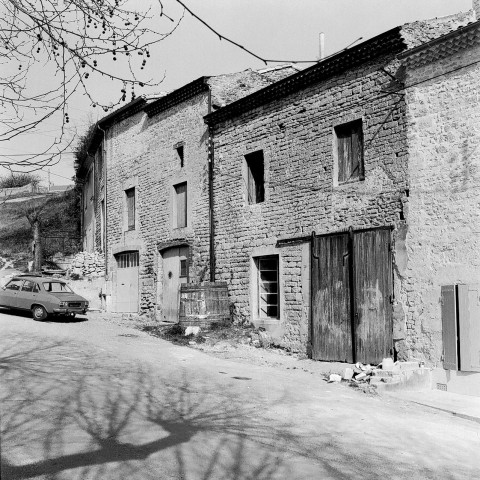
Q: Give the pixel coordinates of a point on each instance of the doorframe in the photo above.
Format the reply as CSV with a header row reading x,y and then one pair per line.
x,y
352,275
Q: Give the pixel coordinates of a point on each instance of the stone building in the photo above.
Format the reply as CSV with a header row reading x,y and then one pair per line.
x,y
313,192
150,182
441,269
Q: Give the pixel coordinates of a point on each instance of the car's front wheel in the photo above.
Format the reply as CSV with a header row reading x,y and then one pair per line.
x,y
39,312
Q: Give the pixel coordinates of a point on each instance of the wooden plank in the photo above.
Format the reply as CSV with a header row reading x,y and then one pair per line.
x,y
331,329
181,194
357,152
373,286
342,156
449,327
469,327
131,208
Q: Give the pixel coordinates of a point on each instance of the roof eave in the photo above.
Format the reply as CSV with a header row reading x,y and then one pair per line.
x,y
178,96
388,42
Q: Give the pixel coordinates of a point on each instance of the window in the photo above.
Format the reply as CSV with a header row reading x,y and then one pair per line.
x,y
350,151
28,286
14,285
57,287
130,197
183,268
180,205
179,149
255,177
268,295
127,260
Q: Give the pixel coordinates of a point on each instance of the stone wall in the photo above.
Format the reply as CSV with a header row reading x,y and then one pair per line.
x,y
442,242
141,154
296,134
87,264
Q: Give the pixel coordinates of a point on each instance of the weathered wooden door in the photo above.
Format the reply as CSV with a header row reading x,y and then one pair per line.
x,y
127,282
331,307
373,289
351,293
175,272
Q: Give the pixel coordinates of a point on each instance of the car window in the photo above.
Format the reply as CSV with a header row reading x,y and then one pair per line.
x,y
28,286
57,287
36,288
13,285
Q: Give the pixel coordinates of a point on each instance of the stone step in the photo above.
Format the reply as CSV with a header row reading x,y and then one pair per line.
x,y
419,379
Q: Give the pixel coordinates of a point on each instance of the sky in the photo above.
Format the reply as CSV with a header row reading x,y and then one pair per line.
x,y
286,30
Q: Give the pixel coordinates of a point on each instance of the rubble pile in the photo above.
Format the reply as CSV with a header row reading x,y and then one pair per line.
x,y
86,264
368,377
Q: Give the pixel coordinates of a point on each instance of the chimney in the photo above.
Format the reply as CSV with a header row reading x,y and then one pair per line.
x,y
476,8
321,53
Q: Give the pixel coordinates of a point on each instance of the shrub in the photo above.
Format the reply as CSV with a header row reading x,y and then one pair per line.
x,y
18,180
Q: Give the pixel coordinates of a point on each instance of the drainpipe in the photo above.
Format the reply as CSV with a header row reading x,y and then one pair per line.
x,y
210,203
210,192
105,183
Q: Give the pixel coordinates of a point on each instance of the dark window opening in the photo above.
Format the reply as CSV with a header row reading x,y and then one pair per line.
x,y
179,149
183,268
268,293
350,151
127,260
130,196
255,177
181,205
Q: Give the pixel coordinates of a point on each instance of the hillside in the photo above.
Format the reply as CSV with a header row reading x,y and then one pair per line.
x,y
60,220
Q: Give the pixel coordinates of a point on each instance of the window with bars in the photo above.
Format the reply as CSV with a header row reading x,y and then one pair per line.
x,y
180,212
130,198
255,177
127,260
349,138
268,291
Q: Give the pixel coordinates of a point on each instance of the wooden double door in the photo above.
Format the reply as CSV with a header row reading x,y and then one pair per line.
x,y
351,296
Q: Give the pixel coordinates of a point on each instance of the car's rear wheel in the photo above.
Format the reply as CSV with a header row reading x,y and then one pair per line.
x,y
39,312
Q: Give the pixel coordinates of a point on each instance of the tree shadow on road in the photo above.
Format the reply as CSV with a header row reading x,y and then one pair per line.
x,y
74,414
70,411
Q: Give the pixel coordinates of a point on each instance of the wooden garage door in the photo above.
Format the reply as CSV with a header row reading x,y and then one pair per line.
x,y
332,329
127,282
351,296
373,287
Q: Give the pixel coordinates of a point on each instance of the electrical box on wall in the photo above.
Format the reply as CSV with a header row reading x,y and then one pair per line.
x,y
461,327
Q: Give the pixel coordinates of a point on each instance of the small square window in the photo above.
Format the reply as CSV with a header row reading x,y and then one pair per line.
x,y
255,177
267,283
350,165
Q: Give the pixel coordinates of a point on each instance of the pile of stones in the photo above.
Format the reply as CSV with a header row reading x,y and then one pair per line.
x,y
86,264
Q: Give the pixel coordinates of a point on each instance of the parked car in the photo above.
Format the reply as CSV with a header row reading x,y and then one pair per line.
x,y
42,295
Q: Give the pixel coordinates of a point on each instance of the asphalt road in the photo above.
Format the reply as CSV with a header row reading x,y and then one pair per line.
x,y
93,400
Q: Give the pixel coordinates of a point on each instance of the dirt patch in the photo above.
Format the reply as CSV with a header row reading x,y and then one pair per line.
x,y
243,344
